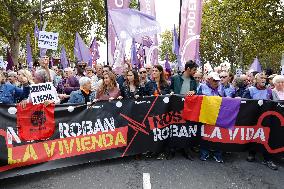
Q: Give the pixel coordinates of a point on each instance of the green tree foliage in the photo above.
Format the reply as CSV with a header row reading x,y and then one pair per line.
x,y
17,18
134,4
240,30
166,46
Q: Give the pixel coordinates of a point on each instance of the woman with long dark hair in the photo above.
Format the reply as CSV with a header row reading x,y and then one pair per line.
x,y
131,87
158,85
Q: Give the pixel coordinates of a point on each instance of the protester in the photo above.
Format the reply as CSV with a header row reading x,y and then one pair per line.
x,y
41,76
278,91
58,76
270,81
109,89
198,78
131,87
44,65
84,94
69,83
99,71
143,77
157,86
210,89
94,79
9,93
246,80
123,77
80,69
225,88
260,92
149,69
13,78
240,87
185,84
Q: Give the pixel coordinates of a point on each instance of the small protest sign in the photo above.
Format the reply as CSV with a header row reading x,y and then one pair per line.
x,y
48,40
43,92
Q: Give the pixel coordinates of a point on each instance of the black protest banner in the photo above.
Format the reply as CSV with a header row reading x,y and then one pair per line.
x,y
114,129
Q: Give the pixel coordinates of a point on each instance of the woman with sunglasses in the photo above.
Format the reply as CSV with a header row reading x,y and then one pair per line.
x,y
131,87
159,85
108,90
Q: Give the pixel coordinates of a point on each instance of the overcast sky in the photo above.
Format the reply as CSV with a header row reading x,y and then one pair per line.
x,y
167,15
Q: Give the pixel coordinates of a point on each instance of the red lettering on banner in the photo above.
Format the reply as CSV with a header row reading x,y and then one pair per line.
x,y
164,120
63,148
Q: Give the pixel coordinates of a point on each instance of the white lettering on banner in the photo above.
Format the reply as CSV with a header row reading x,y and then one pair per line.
x,y
191,22
238,134
86,127
148,7
144,31
11,134
216,133
43,92
174,131
48,40
119,3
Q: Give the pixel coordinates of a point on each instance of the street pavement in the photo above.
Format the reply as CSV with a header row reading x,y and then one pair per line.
x,y
176,173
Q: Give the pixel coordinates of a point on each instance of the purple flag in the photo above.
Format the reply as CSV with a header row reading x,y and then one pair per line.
x,y
147,41
130,23
255,66
148,7
81,51
63,58
29,53
36,31
10,64
175,42
134,60
42,52
190,28
51,61
94,48
114,4
167,64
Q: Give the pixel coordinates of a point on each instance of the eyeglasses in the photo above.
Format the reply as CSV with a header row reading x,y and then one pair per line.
x,y
223,77
142,72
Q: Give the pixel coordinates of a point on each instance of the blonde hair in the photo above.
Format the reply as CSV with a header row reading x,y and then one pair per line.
x,y
26,73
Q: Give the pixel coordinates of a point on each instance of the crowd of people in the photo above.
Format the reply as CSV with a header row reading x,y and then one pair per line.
x,y
84,84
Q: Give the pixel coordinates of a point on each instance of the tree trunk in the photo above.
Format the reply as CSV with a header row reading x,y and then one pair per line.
x,y
15,48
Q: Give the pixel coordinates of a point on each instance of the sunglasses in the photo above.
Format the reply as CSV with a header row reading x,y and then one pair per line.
x,y
143,72
197,77
81,66
223,77
148,68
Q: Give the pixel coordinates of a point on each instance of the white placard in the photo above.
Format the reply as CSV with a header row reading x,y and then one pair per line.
x,y
43,92
48,40
239,72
